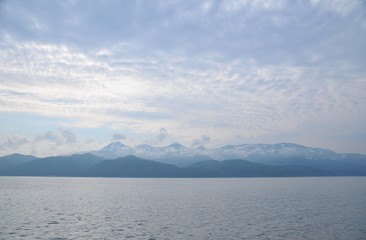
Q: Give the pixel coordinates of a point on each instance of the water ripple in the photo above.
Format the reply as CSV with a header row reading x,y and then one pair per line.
x,y
151,209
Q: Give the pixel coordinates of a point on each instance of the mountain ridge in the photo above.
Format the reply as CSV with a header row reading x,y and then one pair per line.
x,y
261,153
282,159
87,165
15,158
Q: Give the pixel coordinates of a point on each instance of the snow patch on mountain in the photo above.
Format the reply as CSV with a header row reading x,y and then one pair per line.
x,y
252,152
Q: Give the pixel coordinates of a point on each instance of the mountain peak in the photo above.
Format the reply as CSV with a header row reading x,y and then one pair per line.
x,y
176,146
201,148
114,146
251,152
285,144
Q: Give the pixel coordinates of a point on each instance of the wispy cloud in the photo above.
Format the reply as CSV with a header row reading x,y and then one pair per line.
x,y
13,142
61,141
163,133
254,69
202,141
118,136
241,94
342,7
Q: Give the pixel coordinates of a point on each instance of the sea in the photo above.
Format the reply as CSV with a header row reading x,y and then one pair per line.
x,y
151,208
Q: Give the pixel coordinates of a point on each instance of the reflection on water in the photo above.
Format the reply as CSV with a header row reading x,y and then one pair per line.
x,y
258,208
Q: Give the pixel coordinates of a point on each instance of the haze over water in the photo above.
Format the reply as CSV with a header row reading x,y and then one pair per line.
x,y
257,208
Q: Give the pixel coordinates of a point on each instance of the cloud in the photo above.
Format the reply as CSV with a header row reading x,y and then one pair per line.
x,y
118,136
163,133
236,5
68,136
202,141
49,143
154,138
61,137
265,30
136,94
48,136
248,68
13,143
342,7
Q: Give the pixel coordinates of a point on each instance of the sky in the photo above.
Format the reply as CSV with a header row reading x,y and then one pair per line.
x,y
77,75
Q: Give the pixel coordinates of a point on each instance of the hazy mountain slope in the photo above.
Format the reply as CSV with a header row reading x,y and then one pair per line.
x,y
183,161
14,159
131,166
88,165
242,168
54,166
341,167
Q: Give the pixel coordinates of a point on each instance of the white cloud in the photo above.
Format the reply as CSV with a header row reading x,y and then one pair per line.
x,y
235,5
342,7
62,136
12,143
167,90
118,136
202,141
163,133
248,68
206,6
49,143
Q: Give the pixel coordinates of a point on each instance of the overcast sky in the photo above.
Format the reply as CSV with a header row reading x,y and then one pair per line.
x,y
77,75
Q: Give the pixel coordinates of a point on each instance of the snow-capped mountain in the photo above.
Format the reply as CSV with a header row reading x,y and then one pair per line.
x,y
264,151
114,150
174,150
117,149
252,152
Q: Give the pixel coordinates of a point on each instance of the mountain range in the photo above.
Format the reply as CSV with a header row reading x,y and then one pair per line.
x,y
275,154
176,160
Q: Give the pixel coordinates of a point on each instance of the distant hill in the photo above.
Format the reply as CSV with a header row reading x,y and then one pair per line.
x,y
242,168
88,165
53,166
14,159
131,166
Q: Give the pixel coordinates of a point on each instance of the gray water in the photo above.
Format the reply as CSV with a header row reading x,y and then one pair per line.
x,y
257,208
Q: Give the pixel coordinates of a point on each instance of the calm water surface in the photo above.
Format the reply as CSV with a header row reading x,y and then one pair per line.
x,y
257,208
